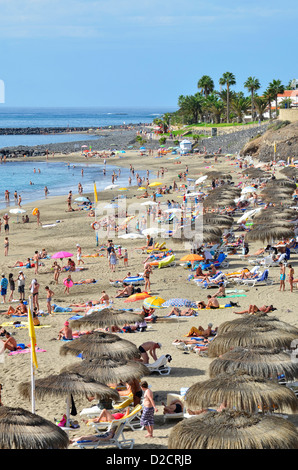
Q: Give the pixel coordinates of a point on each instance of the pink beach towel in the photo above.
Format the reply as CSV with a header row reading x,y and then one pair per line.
x,y
24,351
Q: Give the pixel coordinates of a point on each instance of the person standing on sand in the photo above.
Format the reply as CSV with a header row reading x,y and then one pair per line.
x,y
19,200
291,277
147,418
36,260
282,277
6,223
34,289
6,246
50,294
79,255
3,285
57,271
38,217
21,285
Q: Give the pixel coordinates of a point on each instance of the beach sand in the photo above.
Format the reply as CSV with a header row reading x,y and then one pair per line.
x,y
74,227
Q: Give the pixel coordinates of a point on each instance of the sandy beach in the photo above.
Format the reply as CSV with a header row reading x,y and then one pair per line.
x,y
74,228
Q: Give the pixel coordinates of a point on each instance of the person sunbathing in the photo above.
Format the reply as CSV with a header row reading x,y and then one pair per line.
x,y
201,331
122,280
21,309
104,299
126,292
107,417
94,437
199,273
221,292
181,313
190,340
144,195
9,343
252,309
85,281
176,406
212,302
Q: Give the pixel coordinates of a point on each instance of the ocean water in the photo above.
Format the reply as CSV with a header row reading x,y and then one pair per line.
x,y
95,118
31,139
59,177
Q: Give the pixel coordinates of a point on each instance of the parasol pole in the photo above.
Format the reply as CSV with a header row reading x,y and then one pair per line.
x,y
95,203
30,310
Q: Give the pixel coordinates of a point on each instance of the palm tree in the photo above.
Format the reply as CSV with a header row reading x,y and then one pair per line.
x,y
261,104
206,84
276,87
240,105
268,96
228,79
214,106
191,105
252,84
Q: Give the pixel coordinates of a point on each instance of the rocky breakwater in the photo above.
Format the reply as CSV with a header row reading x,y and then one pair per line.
x,y
108,139
281,133
40,130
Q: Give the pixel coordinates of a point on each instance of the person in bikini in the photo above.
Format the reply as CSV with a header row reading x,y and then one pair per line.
x,y
9,343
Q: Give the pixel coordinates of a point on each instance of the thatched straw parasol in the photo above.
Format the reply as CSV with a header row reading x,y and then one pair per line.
x,y
104,318
20,429
218,174
101,343
266,335
108,371
281,182
256,361
240,391
258,319
217,219
232,429
275,214
269,232
67,384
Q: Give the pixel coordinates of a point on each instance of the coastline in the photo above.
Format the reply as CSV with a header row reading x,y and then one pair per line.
x,y
74,227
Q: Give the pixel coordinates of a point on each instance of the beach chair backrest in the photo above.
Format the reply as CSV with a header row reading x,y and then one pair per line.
x,y
161,361
119,429
221,257
134,411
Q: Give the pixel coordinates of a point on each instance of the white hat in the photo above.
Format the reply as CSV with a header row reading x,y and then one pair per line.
x,y
77,244
159,344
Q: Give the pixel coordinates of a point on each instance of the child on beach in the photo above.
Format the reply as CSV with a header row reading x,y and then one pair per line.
x,y
147,418
50,294
125,258
68,282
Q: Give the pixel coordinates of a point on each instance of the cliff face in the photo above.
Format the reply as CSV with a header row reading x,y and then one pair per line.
x,y
285,138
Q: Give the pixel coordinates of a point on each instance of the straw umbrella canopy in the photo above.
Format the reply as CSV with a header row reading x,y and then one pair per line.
x,y
233,429
218,219
20,429
240,391
275,214
104,318
256,320
66,384
100,343
256,361
268,232
218,174
266,335
107,370
282,182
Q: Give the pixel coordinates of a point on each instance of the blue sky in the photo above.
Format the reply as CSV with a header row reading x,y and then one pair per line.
x,y
139,53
